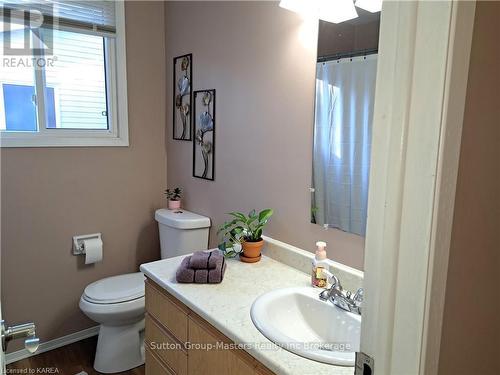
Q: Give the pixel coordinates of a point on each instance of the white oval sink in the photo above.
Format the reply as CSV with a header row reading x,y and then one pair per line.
x,y
298,321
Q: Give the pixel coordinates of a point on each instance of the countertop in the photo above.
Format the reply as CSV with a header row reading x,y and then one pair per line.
x,y
227,307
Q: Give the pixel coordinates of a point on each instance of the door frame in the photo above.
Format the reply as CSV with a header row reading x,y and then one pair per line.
x,y
422,73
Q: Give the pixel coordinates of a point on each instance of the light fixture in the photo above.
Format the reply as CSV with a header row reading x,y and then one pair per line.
x,y
370,5
337,11
306,8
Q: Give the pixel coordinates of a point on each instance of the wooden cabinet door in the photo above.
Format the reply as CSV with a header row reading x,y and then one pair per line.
x,y
155,367
168,350
214,361
167,310
261,370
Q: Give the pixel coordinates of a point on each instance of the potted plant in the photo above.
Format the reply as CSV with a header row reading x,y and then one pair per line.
x,y
174,198
247,230
230,244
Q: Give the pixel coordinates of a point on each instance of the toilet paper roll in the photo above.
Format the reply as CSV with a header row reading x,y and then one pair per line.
x,y
93,250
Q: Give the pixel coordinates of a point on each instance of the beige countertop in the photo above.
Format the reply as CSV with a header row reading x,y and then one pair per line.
x,y
227,307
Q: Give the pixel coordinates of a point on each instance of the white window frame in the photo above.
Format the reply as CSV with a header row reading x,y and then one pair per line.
x,y
116,83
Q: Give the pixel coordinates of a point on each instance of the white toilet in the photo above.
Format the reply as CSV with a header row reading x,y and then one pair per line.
x,y
117,302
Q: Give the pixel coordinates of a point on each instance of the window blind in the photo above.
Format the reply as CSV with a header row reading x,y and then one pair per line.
x,y
94,17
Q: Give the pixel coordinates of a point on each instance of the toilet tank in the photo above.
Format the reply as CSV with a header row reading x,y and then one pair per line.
x,y
181,232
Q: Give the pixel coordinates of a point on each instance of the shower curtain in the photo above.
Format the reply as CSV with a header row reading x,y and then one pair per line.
x,y
345,91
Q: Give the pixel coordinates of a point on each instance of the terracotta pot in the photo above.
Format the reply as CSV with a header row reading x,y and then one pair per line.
x,y
174,205
252,249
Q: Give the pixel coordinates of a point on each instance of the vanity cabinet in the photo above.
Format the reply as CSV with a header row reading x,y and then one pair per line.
x,y
180,342
219,361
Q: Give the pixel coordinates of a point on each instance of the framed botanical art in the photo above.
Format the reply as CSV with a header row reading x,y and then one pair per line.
x,y
183,95
204,134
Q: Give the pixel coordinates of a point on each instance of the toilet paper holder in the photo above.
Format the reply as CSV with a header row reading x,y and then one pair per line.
x,y
78,248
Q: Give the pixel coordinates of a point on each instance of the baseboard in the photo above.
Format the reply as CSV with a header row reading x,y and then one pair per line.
x,y
52,344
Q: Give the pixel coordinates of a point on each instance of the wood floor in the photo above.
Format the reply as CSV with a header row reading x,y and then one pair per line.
x,y
68,360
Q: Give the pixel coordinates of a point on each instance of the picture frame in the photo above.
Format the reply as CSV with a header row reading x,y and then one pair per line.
x,y
204,134
182,97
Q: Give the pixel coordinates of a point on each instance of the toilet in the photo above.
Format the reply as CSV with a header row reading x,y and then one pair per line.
x,y
117,302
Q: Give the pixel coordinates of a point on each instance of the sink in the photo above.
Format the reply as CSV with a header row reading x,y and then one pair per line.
x,y
298,321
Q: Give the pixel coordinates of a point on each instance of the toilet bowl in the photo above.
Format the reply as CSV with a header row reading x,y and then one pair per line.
x,y
117,304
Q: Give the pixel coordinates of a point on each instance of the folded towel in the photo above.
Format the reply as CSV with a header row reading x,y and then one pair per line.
x,y
201,276
216,275
186,274
205,260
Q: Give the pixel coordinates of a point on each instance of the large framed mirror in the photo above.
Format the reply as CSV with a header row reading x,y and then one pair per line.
x,y
344,100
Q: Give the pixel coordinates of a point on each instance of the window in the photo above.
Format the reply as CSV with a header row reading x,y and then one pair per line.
x,y
61,83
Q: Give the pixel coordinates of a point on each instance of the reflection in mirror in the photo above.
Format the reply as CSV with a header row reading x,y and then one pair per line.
x,y
345,90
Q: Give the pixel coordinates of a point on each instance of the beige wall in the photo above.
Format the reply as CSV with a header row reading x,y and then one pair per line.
x,y
261,60
50,194
471,328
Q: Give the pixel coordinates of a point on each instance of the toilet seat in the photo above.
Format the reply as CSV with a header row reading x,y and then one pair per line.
x,y
115,300
115,289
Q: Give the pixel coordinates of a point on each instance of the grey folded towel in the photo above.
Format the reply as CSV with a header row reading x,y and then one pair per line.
x,y
186,274
205,260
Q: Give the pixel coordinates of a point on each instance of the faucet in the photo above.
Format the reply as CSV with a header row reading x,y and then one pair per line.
x,y
340,298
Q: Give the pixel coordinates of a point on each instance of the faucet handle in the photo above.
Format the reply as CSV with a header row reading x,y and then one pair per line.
x,y
335,282
335,286
359,295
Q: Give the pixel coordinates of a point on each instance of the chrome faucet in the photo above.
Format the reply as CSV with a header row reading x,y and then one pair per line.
x,y
341,298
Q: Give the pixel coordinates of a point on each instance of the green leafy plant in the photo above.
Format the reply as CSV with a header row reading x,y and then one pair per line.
x,y
173,194
245,227
230,249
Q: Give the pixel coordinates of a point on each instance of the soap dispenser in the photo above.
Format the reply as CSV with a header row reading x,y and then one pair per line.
x,y
319,263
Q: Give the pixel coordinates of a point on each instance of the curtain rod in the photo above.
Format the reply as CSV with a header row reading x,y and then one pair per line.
x,y
343,55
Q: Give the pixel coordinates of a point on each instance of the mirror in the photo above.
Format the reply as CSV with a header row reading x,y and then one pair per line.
x,y
345,89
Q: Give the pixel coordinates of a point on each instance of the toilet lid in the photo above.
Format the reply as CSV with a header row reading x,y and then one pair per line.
x,y
116,289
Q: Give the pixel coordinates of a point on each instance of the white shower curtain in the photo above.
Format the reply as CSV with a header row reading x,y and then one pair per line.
x,y
345,91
